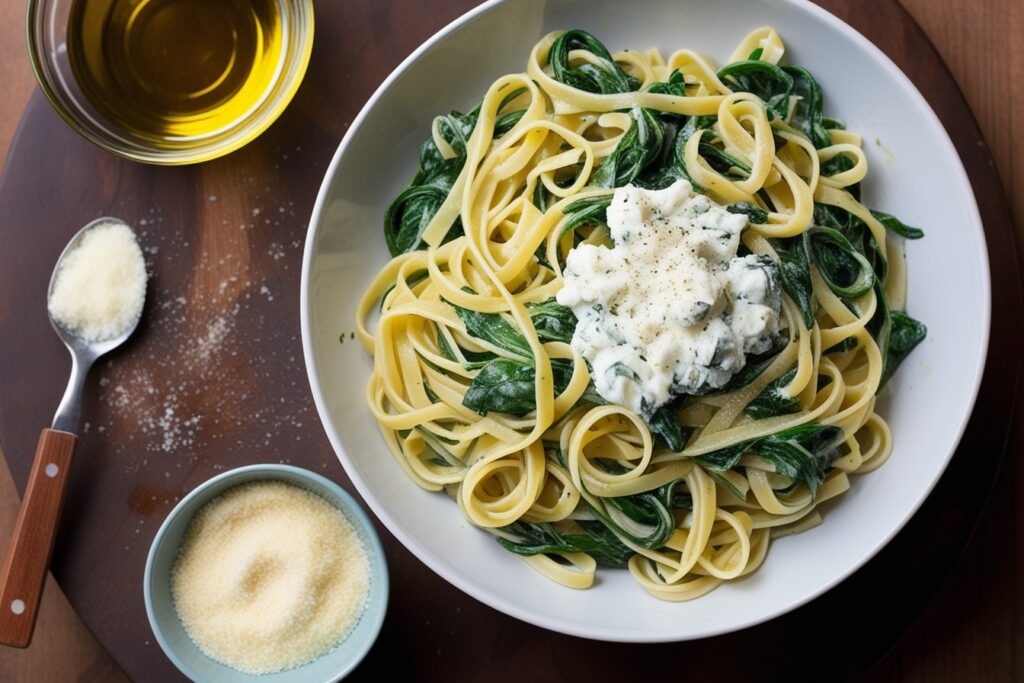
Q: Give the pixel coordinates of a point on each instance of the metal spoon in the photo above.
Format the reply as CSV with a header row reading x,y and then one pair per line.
x,y
28,556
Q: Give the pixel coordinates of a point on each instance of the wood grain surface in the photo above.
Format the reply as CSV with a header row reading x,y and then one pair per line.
x,y
971,629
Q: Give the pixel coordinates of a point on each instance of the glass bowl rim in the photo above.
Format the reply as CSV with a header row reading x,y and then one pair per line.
x,y
201,152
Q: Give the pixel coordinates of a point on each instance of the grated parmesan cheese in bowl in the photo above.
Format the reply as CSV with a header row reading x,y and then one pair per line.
x,y
270,576
266,569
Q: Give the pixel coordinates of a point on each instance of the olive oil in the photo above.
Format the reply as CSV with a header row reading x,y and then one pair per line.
x,y
175,70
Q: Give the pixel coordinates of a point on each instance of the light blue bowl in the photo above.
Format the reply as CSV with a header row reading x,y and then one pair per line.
x,y
168,629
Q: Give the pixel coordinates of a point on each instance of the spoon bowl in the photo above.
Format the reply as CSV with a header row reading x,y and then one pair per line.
x,y
83,352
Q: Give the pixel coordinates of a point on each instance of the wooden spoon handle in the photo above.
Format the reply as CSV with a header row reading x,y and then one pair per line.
x,y
28,556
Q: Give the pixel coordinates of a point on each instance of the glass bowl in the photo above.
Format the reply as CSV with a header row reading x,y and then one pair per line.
x,y
48,50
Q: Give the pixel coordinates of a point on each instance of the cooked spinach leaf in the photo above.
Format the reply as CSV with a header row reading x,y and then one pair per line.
x,y
411,212
905,334
494,329
474,360
691,126
542,198
723,162
553,321
770,402
898,226
643,518
807,112
503,385
623,370
895,332
455,129
667,166
606,77
507,122
856,232
410,280
664,423
795,274
755,365
638,147
754,214
846,271
797,462
838,164
848,344
524,538
768,81
590,211
880,324
590,395
675,85
507,386
803,453
671,165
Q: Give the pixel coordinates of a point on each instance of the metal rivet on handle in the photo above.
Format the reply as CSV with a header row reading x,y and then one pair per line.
x,y
17,606
51,470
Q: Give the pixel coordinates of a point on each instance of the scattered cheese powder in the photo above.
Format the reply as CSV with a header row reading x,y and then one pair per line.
x,y
101,284
270,576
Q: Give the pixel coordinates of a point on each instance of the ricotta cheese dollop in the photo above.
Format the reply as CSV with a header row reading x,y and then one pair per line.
x,y
671,308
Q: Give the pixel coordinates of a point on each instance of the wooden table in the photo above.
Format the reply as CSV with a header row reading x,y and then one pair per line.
x,y
972,629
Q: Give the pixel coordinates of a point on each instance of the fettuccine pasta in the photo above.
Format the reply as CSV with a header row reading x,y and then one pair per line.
x,y
478,389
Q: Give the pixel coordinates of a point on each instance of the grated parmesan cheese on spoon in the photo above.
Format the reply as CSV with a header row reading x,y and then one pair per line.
x,y
100,285
270,576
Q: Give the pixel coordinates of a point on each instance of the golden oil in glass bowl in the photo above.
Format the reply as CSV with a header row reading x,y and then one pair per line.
x,y
172,71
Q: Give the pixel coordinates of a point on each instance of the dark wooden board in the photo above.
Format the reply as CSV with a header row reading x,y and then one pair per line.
x,y
214,379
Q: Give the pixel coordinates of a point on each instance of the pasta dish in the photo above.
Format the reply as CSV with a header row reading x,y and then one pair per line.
x,y
637,314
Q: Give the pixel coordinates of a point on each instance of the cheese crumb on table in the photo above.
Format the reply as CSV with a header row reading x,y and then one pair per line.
x,y
270,577
101,284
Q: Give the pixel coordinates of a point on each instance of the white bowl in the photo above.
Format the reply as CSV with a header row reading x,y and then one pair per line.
x,y
915,174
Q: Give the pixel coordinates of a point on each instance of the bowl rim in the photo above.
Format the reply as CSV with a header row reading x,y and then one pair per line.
x,y
270,472
200,153
509,606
